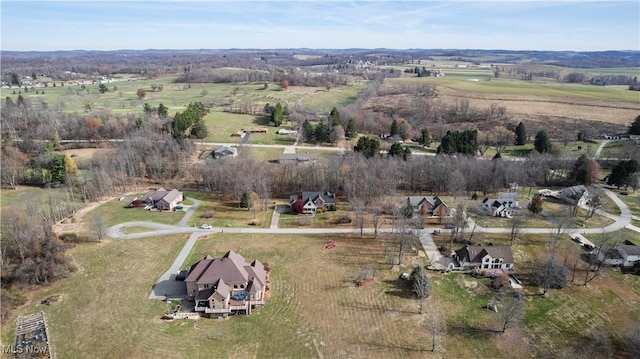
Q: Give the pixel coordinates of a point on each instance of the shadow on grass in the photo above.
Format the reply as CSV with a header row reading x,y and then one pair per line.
x,y
401,288
262,121
391,346
374,308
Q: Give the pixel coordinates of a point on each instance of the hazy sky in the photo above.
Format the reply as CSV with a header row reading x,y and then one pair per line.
x,y
511,25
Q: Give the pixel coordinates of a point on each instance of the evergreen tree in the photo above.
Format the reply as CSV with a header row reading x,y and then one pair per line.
x,y
425,138
395,150
163,111
542,143
244,200
58,170
103,88
634,129
334,118
322,132
622,173
307,131
277,115
521,134
368,146
465,142
199,130
351,131
395,129
580,171
406,154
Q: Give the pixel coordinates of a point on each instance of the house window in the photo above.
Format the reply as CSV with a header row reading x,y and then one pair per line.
x,y
206,286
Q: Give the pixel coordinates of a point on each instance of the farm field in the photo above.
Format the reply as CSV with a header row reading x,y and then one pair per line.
x,y
614,105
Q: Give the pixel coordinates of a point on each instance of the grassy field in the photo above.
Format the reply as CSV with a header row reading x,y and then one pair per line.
x,y
315,310
227,213
176,96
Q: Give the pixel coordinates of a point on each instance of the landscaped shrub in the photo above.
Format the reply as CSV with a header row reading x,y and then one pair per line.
x,y
344,220
255,222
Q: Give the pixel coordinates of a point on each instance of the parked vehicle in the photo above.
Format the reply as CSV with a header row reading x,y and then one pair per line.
x,y
206,226
578,239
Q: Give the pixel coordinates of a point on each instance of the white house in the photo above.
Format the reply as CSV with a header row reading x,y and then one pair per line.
x,y
481,257
501,206
623,255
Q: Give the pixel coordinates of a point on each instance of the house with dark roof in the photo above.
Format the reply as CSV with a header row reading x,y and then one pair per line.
x,y
225,285
314,201
160,199
503,205
624,255
429,206
225,151
484,257
576,195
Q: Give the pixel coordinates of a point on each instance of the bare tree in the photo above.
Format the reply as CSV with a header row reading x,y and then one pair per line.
x,y
401,224
359,207
598,257
516,224
377,216
435,326
99,226
421,285
597,345
595,203
512,310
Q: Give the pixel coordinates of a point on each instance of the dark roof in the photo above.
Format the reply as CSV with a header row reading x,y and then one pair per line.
x,y
474,254
630,250
230,268
327,197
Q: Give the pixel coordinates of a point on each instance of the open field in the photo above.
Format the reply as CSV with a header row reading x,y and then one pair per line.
x,y
227,213
176,96
614,105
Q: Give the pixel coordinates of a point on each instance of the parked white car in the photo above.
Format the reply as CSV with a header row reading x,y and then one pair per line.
x,y
206,226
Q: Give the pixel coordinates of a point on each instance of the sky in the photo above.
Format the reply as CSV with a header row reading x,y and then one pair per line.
x,y
573,25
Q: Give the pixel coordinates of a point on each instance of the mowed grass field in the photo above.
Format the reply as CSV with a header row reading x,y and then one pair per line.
x,y
315,310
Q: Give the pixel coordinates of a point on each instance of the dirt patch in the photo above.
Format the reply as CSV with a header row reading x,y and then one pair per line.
x,y
363,283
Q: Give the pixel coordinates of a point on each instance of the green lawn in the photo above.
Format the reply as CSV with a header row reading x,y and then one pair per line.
x,y
116,211
226,213
176,96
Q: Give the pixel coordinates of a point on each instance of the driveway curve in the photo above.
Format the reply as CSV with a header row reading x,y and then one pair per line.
x,y
167,287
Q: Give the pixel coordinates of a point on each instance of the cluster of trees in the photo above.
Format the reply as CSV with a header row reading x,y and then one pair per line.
x,y
465,142
626,173
32,254
277,113
329,130
368,146
190,122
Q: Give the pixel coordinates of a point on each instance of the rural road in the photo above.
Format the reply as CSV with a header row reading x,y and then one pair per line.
x,y
168,287
599,150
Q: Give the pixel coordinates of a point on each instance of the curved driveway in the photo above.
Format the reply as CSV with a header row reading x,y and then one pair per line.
x,y
168,287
